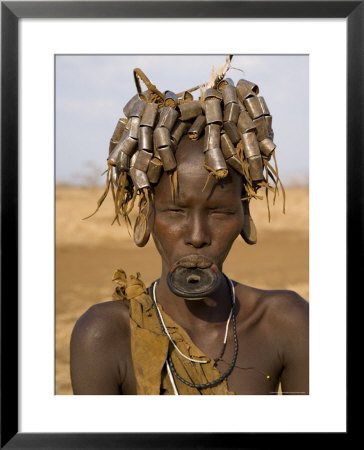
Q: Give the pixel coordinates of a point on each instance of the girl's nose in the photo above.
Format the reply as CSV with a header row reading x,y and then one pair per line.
x,y
197,231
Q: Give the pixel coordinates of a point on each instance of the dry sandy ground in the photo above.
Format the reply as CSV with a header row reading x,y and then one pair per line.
x,y
88,252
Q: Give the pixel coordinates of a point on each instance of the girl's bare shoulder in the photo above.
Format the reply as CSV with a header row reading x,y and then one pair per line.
x,y
278,307
103,322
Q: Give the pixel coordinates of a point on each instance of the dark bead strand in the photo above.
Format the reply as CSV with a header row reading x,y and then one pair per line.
x,y
218,380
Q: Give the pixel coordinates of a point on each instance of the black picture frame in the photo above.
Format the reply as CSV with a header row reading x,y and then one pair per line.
x,y
11,13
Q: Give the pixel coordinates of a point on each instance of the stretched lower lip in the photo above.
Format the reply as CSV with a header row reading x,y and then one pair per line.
x,y
193,276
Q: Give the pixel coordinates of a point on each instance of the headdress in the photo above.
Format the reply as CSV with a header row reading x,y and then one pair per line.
x,y
236,126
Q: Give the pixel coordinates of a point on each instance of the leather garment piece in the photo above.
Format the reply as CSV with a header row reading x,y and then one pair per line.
x,y
150,346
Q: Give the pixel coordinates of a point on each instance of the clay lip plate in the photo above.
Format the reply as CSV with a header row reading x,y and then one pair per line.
x,y
193,282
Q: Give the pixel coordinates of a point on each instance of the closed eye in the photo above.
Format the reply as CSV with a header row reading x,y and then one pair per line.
x,y
221,212
175,210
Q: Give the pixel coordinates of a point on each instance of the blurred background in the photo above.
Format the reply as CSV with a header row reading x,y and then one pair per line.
x,y
91,91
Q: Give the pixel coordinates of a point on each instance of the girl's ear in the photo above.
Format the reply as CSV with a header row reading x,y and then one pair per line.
x,y
248,232
143,223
